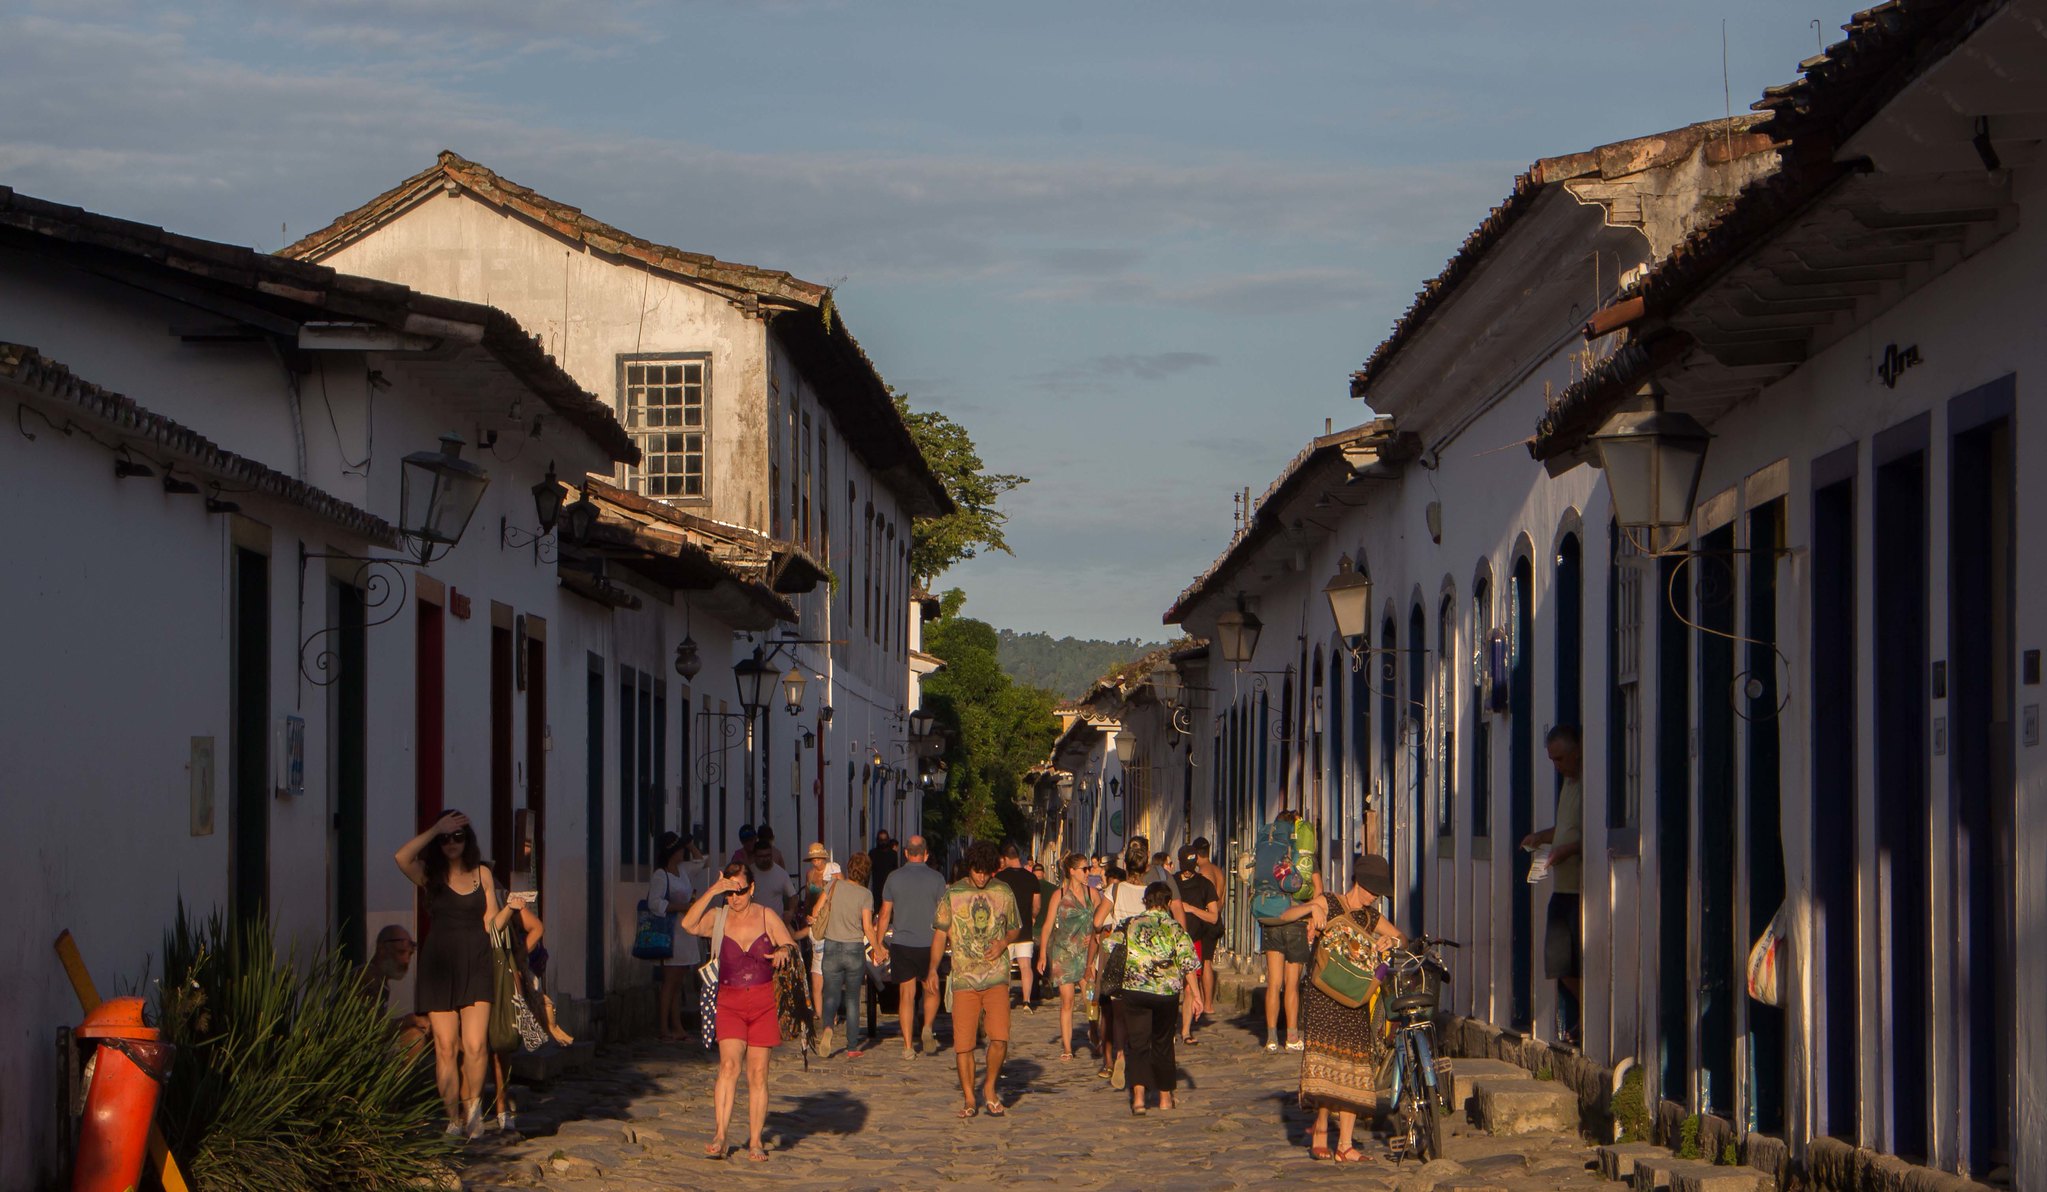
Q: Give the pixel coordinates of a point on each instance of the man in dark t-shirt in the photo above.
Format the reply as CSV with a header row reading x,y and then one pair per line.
x,y
884,860
1029,906
1201,907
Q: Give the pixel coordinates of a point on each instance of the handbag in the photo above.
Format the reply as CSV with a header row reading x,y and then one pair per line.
x,y
880,968
1115,963
1763,983
1345,964
532,1036
654,939
707,975
502,1034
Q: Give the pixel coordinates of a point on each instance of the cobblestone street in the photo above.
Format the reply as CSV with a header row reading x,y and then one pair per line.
x,y
640,1116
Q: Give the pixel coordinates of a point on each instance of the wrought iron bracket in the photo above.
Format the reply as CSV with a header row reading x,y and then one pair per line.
x,y
383,589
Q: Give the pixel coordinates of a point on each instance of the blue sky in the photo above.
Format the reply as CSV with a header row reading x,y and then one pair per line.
x,y
1136,248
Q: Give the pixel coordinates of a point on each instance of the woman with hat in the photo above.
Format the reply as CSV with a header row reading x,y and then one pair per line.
x,y
1340,1065
669,892
818,872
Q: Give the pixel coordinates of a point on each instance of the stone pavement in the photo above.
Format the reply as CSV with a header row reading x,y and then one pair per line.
x,y
639,1118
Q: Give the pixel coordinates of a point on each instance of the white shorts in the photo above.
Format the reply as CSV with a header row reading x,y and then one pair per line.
x,y
1021,950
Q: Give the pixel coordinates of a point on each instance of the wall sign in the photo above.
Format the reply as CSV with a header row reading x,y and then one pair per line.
x,y
1896,360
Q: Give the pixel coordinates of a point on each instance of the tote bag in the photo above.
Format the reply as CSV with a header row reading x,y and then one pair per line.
x,y
707,974
655,937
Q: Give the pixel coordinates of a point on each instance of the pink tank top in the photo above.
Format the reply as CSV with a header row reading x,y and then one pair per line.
x,y
743,968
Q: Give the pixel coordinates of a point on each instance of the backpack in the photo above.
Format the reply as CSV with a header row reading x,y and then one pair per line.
x,y
1272,868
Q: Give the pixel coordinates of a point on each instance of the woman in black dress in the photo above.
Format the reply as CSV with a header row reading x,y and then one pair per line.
x,y
455,980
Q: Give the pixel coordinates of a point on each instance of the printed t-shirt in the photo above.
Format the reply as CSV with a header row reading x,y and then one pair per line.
x,y
915,889
973,917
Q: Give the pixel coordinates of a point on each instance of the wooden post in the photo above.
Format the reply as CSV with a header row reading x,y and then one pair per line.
x,y
160,1159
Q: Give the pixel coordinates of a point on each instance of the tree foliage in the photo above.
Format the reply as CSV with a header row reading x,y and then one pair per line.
x,y
1065,666
937,543
996,729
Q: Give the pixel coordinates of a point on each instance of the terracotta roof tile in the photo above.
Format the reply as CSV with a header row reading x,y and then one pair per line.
x,y
298,291
152,433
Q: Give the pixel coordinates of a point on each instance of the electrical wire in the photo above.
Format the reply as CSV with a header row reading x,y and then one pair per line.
x,y
348,466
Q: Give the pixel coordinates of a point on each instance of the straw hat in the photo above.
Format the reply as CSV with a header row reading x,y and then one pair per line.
x,y
816,852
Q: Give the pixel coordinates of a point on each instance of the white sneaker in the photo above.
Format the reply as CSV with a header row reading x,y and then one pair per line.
x,y
472,1122
508,1123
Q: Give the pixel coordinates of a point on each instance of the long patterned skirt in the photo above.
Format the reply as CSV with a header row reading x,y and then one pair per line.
x,y
1340,1068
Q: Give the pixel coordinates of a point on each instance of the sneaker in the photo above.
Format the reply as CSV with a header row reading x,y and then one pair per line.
x,y
1295,1043
472,1122
508,1123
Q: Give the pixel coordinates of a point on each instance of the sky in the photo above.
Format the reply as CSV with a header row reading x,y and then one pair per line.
x,y
1135,247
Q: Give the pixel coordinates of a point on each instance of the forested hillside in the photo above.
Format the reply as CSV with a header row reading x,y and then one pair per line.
x,y
1064,666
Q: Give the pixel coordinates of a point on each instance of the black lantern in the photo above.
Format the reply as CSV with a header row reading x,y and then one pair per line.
x,y
547,499
1236,631
438,492
752,675
1653,459
921,723
579,518
1350,601
687,660
792,690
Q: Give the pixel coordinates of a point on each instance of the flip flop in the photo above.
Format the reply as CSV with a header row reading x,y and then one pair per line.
x,y
716,1150
995,1109
969,1112
756,1156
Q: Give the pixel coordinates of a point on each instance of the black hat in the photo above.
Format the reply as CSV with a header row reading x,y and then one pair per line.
x,y
665,848
1189,860
1373,872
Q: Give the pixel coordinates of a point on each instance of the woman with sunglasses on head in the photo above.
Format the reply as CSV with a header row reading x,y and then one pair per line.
x,y
751,944
1066,943
455,977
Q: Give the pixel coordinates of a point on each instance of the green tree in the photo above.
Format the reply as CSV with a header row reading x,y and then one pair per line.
x,y
936,543
996,730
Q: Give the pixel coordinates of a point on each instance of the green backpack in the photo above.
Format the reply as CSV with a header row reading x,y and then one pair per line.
x,y
1346,963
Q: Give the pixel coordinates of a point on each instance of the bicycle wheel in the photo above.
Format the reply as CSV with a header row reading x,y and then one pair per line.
x,y
1422,1114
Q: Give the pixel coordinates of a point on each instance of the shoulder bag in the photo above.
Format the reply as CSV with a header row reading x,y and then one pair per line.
x,y
1115,962
655,937
707,976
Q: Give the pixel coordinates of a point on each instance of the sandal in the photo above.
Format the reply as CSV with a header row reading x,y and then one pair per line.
x,y
757,1156
968,1112
1351,1154
716,1149
1065,1055
1319,1152
1190,1041
995,1107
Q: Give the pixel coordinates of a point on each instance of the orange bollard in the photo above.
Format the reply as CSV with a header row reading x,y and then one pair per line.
x,y
128,1069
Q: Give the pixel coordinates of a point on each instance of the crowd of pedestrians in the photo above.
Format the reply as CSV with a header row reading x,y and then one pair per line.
x,y
1126,943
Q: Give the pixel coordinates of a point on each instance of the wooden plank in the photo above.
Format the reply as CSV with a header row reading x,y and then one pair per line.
x,y
160,1158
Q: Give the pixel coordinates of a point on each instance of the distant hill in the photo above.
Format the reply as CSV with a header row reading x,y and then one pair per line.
x,y
1065,666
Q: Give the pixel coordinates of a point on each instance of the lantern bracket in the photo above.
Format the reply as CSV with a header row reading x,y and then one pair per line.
x,y
383,589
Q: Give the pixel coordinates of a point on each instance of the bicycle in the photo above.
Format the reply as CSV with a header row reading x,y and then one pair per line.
x,y
1421,1083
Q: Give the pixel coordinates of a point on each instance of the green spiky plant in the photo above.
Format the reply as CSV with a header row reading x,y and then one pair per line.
x,y
286,1074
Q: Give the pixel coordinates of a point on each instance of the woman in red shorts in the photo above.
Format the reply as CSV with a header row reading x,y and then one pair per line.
x,y
750,944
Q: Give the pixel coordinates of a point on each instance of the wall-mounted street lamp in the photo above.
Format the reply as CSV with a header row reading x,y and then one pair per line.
x,y
547,506
1236,634
688,660
1653,459
921,723
438,492
1126,746
793,684
752,674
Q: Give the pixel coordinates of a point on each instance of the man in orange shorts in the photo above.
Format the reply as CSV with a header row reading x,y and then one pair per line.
x,y
979,919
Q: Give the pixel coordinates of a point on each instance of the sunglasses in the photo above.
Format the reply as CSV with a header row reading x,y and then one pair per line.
x,y
458,837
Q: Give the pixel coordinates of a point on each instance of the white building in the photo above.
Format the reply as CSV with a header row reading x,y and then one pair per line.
x,y
756,410
219,701
1817,699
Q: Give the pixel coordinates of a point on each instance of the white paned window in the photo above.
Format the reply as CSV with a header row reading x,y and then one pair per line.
x,y
666,407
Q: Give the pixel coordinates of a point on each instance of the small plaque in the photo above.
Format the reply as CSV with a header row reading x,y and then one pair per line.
x,y
199,771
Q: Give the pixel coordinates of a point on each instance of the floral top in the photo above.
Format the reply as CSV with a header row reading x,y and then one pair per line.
x,y
973,918
1161,953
